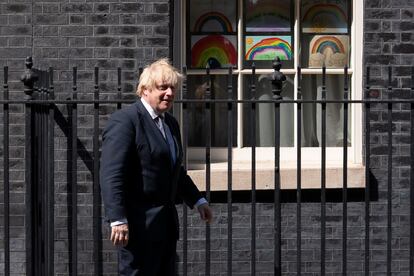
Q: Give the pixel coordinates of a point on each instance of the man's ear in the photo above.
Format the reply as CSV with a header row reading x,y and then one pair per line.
x,y
144,91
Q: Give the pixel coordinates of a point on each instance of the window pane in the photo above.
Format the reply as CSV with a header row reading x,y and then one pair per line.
x,y
212,33
197,119
268,33
325,38
268,16
311,116
265,113
329,50
268,47
325,16
216,50
208,16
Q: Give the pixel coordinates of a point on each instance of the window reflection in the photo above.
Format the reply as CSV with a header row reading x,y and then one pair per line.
x,y
265,113
197,117
311,127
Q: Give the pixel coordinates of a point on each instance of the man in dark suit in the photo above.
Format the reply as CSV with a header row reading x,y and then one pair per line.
x,y
142,175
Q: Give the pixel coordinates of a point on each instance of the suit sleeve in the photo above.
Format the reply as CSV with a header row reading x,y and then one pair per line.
x,y
187,190
117,142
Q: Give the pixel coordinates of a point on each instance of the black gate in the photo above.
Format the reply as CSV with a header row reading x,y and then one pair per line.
x,y
42,114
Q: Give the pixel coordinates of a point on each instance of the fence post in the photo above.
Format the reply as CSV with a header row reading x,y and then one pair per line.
x,y
6,190
28,78
277,82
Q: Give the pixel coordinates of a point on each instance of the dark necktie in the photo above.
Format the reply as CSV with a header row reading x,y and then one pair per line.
x,y
166,132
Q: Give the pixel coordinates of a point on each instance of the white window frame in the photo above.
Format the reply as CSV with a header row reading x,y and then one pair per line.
x,y
310,155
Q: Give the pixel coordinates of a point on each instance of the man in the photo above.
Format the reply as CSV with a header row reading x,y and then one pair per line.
x,y
142,175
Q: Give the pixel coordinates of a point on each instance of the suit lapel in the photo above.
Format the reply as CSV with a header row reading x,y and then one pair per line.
x,y
152,132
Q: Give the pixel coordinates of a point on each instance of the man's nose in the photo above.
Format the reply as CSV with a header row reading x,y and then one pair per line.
x,y
169,91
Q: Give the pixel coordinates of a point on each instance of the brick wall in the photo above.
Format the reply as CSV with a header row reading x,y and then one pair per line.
x,y
130,34
64,34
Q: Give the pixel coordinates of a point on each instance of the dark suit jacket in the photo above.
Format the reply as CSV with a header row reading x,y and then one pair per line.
x,y
138,180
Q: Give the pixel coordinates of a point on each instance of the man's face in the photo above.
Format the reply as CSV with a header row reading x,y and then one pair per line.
x,y
160,97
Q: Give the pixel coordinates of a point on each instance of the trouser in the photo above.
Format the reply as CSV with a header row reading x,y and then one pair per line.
x,y
148,258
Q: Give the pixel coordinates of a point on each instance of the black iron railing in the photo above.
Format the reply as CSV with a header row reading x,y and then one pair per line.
x,y
40,111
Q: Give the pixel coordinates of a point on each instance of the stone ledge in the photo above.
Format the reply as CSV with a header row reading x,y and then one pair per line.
x,y
311,176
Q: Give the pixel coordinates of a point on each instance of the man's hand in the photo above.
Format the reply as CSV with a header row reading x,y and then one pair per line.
x,y
206,213
120,234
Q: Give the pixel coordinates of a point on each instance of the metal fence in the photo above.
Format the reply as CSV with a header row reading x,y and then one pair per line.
x,y
40,106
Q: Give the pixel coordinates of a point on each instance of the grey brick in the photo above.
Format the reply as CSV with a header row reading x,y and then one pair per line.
x,y
77,19
372,26
49,8
75,52
161,8
51,42
382,14
127,7
128,42
126,53
407,14
17,20
103,19
101,7
20,52
101,30
16,30
155,19
102,42
403,26
76,30
76,8
100,53
126,30
155,41
48,19
128,19
161,30
16,8
403,48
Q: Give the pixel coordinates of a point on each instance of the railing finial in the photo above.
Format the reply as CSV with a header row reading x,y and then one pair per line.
x,y
28,78
277,79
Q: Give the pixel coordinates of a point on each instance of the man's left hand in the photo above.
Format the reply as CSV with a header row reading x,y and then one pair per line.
x,y
206,213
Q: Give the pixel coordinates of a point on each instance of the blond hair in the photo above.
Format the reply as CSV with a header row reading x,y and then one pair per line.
x,y
159,71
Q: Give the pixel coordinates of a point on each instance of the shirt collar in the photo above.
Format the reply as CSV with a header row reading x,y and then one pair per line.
x,y
150,110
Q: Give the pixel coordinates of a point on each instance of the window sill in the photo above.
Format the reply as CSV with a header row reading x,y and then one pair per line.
x,y
311,176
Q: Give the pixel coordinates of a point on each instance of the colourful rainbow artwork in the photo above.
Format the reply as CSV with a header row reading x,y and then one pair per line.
x,y
321,44
265,16
325,18
209,21
215,50
268,47
329,50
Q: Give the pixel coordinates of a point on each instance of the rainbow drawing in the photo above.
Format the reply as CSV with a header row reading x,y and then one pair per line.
x,y
213,22
216,50
266,16
268,47
324,18
328,50
323,43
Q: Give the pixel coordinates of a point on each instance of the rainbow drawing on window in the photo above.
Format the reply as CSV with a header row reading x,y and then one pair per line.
x,y
213,22
268,47
324,18
216,50
268,16
329,50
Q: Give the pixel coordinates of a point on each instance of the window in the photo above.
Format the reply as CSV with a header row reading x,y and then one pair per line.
x,y
305,33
